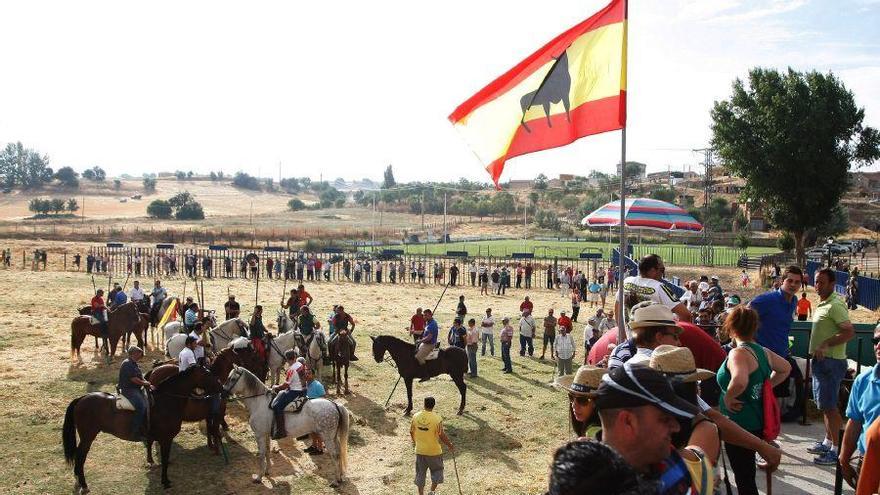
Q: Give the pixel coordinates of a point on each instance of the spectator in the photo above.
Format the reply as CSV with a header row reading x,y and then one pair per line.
x,y
715,293
528,274
461,309
575,303
487,333
472,271
426,432
862,409
830,332
549,333
473,340
648,286
804,308
506,338
592,467
741,378
652,325
314,390
593,293
526,333
565,351
417,325
691,298
526,305
457,334
581,388
591,336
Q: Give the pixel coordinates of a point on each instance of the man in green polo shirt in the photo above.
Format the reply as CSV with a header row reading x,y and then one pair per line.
x,y
830,333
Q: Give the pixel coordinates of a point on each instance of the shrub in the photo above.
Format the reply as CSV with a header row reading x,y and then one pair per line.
x,y
149,184
190,211
296,204
742,240
159,209
785,242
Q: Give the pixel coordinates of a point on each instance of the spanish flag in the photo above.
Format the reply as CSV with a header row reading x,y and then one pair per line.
x,y
574,86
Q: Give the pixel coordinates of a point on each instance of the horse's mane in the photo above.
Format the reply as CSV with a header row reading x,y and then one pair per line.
x,y
251,381
172,380
390,340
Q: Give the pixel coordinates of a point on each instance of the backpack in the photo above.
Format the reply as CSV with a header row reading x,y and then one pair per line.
x,y
772,414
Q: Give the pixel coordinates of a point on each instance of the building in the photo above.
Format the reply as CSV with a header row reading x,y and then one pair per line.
x,y
866,184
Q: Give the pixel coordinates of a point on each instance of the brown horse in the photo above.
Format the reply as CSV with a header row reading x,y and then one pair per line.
x,y
139,331
96,412
340,353
121,319
199,409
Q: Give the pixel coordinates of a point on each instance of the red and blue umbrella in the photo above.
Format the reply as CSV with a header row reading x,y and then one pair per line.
x,y
644,213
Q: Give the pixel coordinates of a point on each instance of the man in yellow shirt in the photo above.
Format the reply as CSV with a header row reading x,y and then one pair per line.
x,y
426,432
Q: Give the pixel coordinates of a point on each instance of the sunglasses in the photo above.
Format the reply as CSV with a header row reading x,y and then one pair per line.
x,y
875,340
581,401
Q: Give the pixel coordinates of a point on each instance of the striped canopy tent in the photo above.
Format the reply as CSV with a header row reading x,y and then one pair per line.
x,y
644,213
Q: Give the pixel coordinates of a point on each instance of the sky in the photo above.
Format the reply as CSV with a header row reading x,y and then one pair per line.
x,y
343,89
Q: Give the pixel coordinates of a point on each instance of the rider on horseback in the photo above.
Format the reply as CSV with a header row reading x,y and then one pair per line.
x,y
429,338
190,317
258,332
232,308
130,382
341,322
158,294
291,389
307,324
99,312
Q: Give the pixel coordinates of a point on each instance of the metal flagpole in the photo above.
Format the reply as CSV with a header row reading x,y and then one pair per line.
x,y
621,330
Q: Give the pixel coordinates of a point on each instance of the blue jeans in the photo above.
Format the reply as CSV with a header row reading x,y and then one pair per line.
x,y
827,375
472,359
284,398
491,338
102,324
505,356
525,343
137,399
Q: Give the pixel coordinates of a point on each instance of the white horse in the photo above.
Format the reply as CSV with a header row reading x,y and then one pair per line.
x,y
173,328
315,353
276,349
322,416
226,332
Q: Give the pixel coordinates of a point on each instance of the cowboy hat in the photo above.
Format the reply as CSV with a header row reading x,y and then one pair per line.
x,y
652,315
678,362
583,382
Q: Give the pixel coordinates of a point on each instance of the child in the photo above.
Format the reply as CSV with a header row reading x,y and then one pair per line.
x,y
744,277
593,295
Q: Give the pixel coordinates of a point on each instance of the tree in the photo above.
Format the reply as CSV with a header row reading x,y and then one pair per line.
x,y
160,209
67,177
180,199
541,182
23,167
742,241
245,181
72,205
340,202
388,182
190,211
149,185
663,194
503,204
213,176
296,204
803,127
39,206
117,184
98,174
180,175
635,169
57,205
785,242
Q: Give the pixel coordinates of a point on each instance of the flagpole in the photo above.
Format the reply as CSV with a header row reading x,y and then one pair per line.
x,y
621,275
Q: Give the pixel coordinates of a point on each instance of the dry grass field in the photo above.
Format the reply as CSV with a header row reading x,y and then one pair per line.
x,y
504,440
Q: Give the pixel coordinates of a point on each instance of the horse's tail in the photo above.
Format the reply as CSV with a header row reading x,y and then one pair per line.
x,y
68,432
342,431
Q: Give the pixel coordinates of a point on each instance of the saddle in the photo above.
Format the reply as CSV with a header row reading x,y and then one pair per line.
x,y
433,354
297,405
93,321
123,404
240,343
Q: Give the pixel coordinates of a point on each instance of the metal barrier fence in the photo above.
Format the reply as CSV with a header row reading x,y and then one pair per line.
x,y
868,288
328,265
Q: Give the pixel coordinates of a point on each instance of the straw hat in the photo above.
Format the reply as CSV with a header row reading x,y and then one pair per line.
x,y
583,382
652,315
678,362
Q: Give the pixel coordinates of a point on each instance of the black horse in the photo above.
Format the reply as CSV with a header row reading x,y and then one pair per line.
x,y
452,361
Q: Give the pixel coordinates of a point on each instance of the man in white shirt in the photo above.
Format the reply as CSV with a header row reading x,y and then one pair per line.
x,y
136,294
487,332
187,357
199,348
703,286
291,389
564,351
648,286
473,273
527,333
692,297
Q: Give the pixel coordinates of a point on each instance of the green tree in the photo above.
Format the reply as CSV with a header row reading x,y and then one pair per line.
x,y
57,205
296,204
541,182
503,204
98,174
388,181
245,181
23,167
213,176
180,200
160,209
149,185
663,194
40,206
785,242
803,127
72,205
117,184
190,211
742,240
67,177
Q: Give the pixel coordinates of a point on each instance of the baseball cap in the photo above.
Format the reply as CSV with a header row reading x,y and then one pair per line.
x,y
636,385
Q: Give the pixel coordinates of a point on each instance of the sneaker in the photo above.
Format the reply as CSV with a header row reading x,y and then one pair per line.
x,y
828,458
818,448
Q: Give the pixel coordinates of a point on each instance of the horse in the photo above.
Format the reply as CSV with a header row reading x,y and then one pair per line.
x,y
340,352
96,412
120,320
452,361
199,408
275,350
173,328
139,331
227,331
322,416
312,349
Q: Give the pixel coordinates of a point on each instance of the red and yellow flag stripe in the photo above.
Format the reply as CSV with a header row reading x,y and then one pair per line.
x,y
572,87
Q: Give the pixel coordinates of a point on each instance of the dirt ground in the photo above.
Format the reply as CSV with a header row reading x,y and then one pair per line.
x,y
504,441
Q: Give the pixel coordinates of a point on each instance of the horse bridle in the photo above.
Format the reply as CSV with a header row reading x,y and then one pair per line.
x,y
227,388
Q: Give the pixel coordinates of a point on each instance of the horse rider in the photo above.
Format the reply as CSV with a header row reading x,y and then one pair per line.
x,y
190,317
201,343
258,332
307,324
99,312
305,298
186,305
187,356
158,295
341,322
120,297
292,305
232,308
137,293
111,296
292,388
429,337
131,379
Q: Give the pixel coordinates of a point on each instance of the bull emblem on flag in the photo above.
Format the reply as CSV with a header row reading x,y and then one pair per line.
x,y
553,89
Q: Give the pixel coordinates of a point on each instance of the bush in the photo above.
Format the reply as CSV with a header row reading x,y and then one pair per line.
x,y
742,240
149,184
190,211
160,209
340,202
67,177
296,204
246,181
785,242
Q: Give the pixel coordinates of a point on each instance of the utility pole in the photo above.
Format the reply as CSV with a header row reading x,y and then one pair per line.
x,y
444,217
422,204
706,251
374,221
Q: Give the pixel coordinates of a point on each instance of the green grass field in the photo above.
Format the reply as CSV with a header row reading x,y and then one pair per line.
x,y
672,253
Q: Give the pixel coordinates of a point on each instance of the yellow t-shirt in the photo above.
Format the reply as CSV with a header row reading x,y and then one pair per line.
x,y
426,427
699,470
